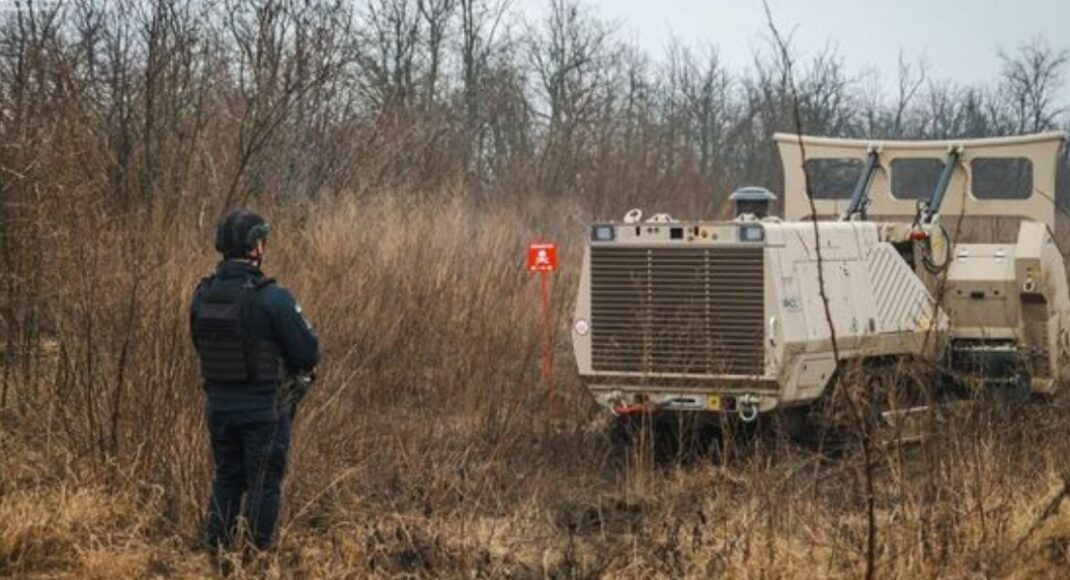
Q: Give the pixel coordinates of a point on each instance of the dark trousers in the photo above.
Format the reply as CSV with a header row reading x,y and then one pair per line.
x,y
249,454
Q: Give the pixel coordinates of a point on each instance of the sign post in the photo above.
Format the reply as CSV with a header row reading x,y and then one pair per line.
x,y
542,259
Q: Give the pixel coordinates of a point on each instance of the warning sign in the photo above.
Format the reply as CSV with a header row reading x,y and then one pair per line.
x,y
542,257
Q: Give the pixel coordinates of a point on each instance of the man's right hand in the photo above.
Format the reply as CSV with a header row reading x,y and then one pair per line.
x,y
297,386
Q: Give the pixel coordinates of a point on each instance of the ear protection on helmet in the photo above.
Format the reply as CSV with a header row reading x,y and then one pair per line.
x,y
238,233
255,233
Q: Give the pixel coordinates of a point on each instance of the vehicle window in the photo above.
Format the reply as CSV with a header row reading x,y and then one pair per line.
x,y
915,178
833,178
1002,177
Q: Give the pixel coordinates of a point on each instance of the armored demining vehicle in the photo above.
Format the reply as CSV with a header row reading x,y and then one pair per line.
x,y
741,318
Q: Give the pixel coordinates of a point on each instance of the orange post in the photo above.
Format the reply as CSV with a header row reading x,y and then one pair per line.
x,y
542,258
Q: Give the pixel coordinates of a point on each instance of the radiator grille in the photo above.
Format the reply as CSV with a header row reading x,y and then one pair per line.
x,y
677,310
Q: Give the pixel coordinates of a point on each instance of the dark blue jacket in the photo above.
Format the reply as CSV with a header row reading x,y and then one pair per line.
x,y
275,316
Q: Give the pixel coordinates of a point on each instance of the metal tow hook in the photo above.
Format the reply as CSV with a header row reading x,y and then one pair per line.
x,y
748,408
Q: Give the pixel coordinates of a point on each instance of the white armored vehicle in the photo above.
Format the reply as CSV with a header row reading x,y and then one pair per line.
x,y
744,317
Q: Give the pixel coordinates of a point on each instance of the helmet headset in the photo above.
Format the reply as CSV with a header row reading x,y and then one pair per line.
x,y
237,235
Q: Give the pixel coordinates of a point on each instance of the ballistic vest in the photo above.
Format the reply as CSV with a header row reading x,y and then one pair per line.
x,y
230,354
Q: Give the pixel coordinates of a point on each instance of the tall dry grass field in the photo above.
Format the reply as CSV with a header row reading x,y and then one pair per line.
x,y
429,447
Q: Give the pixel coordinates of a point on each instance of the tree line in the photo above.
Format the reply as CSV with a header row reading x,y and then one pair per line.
x,y
220,103
176,110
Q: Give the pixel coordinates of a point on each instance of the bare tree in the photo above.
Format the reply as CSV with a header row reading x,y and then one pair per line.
x,y
436,15
275,72
567,56
390,54
1031,79
910,81
481,23
34,86
705,90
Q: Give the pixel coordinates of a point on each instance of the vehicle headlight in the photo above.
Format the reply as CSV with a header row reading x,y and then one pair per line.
x,y
582,327
602,233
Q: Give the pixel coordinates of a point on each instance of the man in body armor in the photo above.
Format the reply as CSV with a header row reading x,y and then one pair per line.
x,y
249,332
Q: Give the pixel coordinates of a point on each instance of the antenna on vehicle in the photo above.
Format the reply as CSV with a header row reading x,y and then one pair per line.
x,y
860,195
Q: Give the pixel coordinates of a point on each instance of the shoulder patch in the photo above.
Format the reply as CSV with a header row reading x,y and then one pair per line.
x,y
297,308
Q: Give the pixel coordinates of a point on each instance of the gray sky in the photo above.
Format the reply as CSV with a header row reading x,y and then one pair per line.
x,y
958,38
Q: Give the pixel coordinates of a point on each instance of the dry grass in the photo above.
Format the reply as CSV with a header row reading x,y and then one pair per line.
x,y
428,449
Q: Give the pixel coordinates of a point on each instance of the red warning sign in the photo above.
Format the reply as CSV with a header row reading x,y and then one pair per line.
x,y
542,257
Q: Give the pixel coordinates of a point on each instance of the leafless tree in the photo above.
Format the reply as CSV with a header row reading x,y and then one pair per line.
x,y
390,52
277,67
1032,78
910,80
480,28
436,15
567,55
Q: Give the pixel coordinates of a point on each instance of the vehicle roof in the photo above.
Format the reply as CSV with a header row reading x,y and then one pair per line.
x,y
1040,149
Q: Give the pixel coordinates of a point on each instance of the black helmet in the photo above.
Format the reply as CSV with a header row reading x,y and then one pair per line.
x,y
237,234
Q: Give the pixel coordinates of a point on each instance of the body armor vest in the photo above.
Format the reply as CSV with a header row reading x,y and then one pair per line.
x,y
230,354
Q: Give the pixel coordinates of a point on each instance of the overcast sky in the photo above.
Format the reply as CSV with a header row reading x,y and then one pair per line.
x,y
957,38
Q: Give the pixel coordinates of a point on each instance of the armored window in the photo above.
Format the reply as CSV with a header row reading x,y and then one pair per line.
x,y
1002,177
832,178
915,178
